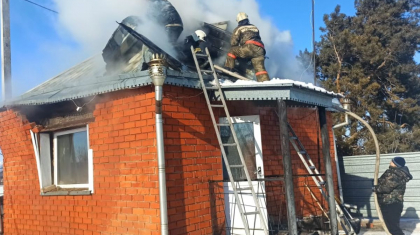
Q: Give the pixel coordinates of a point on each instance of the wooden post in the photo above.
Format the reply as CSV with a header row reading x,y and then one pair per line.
x,y
6,67
313,40
287,166
328,170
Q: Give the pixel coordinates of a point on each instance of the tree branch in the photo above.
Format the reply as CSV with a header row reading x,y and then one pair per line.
x,y
385,60
340,61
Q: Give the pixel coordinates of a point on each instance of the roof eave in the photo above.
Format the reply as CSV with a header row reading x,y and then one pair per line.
x,y
284,91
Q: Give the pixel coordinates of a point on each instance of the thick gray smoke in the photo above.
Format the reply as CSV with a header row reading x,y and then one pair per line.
x,y
91,23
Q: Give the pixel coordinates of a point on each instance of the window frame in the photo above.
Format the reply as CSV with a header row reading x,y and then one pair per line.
x,y
55,152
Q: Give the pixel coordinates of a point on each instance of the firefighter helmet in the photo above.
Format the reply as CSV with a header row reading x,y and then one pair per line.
x,y
241,16
199,35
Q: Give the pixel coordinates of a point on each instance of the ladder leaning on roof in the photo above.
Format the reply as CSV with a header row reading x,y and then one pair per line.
x,y
319,181
216,125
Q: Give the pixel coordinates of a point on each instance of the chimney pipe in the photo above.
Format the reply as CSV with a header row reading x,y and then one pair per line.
x,y
157,72
346,105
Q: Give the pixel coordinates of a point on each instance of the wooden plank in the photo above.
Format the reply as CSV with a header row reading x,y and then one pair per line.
x,y
287,166
231,73
6,51
328,169
60,123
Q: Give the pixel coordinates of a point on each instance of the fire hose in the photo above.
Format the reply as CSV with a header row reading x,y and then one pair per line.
x,y
378,160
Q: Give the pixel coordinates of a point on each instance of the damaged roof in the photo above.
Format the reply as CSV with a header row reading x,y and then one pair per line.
x,y
88,79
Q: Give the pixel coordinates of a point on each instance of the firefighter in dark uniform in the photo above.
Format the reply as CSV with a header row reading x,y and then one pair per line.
x,y
390,191
197,40
246,43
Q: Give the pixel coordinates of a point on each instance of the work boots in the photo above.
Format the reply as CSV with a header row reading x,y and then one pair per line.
x,y
262,77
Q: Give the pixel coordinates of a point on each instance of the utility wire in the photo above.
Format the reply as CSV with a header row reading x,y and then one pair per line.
x,y
312,58
36,4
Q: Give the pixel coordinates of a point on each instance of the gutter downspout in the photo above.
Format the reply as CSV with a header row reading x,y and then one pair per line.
x,y
346,105
337,166
157,72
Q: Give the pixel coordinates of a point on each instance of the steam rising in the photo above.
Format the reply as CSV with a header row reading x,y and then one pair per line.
x,y
91,23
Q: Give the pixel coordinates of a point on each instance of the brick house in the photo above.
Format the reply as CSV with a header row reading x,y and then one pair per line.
x,y
80,153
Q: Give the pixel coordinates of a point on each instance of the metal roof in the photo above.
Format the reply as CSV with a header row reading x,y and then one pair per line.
x,y
284,91
88,78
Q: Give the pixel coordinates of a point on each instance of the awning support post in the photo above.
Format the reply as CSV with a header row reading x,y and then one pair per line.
x,y
287,166
328,170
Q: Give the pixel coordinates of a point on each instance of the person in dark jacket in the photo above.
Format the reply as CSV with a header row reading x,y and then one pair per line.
x,y
197,40
390,191
246,43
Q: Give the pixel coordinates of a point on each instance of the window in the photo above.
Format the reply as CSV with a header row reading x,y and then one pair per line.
x,y
64,160
71,158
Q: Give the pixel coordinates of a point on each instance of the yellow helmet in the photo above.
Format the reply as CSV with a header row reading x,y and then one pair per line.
x,y
241,16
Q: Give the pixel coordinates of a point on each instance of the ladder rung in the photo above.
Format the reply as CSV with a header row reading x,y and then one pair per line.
x,y
236,166
207,71
201,55
292,138
229,145
321,182
312,167
223,124
217,106
252,213
243,189
212,88
302,152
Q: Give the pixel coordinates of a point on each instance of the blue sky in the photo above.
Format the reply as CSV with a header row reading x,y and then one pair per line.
x,y
37,38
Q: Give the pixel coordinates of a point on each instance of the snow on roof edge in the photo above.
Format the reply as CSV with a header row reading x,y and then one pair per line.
x,y
274,82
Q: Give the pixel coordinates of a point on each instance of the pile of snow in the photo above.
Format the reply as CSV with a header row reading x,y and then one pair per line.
x,y
273,82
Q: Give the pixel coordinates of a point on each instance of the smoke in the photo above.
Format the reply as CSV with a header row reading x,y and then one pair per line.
x,y
91,23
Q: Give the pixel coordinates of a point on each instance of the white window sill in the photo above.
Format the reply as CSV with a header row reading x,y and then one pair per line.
x,y
54,190
64,192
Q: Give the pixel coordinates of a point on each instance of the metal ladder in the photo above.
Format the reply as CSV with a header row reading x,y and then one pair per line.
x,y
317,178
216,125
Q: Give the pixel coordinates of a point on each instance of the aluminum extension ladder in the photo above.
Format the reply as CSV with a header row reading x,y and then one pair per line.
x,y
317,178
217,87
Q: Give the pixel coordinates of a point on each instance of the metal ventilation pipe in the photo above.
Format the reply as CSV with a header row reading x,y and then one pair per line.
x,y
346,105
157,72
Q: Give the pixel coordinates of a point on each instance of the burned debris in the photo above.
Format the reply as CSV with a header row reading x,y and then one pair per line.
x,y
129,49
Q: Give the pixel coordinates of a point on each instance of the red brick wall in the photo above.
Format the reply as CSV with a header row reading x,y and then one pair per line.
x,y
125,175
192,159
125,165
125,168
305,122
20,176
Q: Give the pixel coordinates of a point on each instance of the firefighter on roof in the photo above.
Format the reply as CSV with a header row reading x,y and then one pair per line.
x,y
197,40
246,43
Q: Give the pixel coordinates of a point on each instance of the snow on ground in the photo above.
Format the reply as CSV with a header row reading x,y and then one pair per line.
x,y
273,82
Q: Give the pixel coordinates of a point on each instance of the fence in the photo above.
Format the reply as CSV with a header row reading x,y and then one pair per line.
x,y
357,174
